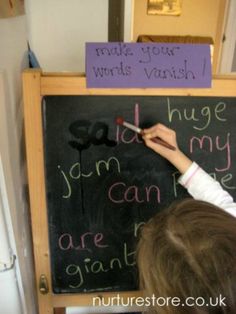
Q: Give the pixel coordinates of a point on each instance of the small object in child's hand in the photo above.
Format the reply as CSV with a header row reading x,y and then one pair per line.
x,y
120,121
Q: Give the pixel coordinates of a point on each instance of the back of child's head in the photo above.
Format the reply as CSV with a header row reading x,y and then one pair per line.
x,y
188,251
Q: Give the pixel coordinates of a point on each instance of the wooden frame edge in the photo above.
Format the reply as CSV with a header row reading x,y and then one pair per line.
x,y
220,29
35,167
35,85
76,85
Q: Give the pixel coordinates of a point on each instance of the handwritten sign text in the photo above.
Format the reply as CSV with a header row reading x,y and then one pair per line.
x,y
129,65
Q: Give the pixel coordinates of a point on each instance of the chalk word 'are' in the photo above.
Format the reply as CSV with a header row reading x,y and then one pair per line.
x,y
66,241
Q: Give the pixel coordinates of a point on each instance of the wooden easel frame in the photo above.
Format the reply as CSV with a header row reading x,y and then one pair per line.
x,y
36,85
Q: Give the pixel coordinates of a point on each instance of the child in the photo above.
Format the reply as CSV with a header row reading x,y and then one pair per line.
x,y
188,251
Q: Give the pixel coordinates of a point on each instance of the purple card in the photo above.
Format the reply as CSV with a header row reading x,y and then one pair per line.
x,y
128,65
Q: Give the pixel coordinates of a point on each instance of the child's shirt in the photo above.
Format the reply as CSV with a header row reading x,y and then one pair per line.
x,y
203,187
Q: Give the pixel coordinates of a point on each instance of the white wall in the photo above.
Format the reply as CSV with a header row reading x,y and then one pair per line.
x,y
233,69
13,59
128,20
10,300
58,30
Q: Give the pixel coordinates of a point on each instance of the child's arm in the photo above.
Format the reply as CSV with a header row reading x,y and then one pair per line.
x,y
198,183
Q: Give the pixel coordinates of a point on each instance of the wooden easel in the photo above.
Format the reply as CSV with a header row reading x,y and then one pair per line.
x,y
36,85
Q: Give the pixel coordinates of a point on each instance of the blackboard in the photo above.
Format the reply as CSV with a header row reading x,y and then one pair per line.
x,y
102,183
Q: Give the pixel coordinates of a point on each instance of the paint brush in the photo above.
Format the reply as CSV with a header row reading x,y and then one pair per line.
x,y
120,121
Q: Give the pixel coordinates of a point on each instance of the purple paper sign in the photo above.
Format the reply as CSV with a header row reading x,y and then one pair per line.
x,y
148,65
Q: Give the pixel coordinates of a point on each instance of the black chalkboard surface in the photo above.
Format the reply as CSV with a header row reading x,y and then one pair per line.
x,y
102,183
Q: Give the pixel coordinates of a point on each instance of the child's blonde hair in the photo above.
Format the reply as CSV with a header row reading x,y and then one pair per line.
x,y
189,250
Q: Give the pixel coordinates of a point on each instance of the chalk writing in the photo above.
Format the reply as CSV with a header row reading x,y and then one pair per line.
x,y
137,227
203,115
226,181
89,266
200,141
132,193
66,241
104,184
124,135
76,173
97,136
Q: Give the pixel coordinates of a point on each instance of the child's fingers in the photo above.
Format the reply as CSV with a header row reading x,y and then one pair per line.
x,y
164,127
151,129
158,132
157,128
155,146
158,148
154,127
151,132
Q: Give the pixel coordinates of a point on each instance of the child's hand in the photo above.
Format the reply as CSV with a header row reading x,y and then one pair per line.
x,y
164,133
176,157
